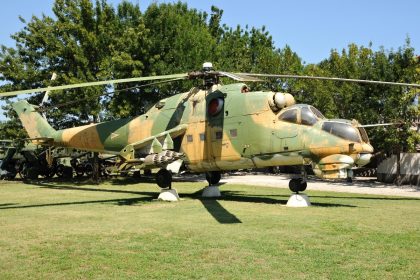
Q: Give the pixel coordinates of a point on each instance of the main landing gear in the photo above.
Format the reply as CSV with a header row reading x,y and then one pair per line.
x,y
212,190
213,177
164,181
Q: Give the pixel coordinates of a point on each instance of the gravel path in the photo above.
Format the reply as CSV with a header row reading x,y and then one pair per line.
x,y
359,185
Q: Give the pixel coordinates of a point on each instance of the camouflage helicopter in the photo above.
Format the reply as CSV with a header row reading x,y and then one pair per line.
x,y
215,127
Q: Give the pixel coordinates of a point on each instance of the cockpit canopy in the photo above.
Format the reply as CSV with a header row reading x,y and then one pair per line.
x,y
309,115
306,115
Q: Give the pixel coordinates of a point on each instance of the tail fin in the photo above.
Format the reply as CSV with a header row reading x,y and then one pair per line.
x,y
32,121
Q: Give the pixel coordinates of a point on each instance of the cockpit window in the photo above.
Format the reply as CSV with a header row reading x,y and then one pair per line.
x,y
289,116
364,135
317,112
307,117
342,130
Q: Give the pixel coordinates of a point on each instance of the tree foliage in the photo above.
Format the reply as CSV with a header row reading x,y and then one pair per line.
x,y
90,40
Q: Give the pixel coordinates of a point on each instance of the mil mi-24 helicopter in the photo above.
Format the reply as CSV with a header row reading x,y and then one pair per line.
x,y
215,127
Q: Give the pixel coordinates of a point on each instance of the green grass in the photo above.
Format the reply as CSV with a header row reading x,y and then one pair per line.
x,y
118,230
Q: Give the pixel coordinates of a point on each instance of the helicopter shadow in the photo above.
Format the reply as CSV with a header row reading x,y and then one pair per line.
x,y
212,205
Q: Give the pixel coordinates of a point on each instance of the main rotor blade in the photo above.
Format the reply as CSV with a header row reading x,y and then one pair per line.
x,y
330,79
240,77
379,124
89,84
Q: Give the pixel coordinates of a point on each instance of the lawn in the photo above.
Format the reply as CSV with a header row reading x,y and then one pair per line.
x,y
52,230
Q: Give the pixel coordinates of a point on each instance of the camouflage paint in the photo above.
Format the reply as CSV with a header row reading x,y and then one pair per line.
x,y
245,133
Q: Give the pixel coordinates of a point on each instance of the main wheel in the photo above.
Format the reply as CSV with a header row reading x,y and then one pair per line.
x,y
49,172
60,170
213,177
68,172
79,169
30,173
164,179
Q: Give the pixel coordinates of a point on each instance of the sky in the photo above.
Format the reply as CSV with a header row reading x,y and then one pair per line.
x,y
310,28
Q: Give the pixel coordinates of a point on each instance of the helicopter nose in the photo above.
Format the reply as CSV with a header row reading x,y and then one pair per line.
x,y
365,155
367,148
363,159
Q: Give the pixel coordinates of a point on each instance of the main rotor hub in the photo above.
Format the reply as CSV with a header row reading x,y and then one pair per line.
x,y
207,66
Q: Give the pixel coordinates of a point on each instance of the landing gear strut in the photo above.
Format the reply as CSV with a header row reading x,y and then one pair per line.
x,y
164,179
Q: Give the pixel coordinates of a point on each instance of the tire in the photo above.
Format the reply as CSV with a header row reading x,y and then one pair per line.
x,y
68,172
31,173
302,186
60,170
294,185
88,169
213,177
80,171
164,179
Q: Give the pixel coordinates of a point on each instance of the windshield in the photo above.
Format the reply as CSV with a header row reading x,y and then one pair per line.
x,y
289,116
317,112
364,135
342,130
307,117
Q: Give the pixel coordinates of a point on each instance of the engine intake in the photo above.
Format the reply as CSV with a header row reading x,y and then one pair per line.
x,y
280,100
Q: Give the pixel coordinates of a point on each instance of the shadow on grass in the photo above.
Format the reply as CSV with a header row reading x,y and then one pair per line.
x,y
117,181
219,213
120,201
46,186
7,204
213,206
235,196
369,198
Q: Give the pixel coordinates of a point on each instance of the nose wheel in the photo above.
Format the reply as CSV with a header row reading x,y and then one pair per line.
x,y
297,185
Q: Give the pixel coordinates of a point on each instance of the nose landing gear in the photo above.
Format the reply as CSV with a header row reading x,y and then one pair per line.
x,y
297,185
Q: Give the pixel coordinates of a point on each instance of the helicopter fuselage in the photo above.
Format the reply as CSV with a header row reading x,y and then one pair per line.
x,y
228,128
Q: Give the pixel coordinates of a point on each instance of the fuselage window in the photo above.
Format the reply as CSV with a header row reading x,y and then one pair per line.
x,y
289,116
189,138
219,134
202,137
307,117
233,133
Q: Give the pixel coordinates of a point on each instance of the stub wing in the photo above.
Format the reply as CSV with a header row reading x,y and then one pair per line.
x,y
156,149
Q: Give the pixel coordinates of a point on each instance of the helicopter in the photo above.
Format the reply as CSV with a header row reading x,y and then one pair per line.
x,y
214,128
